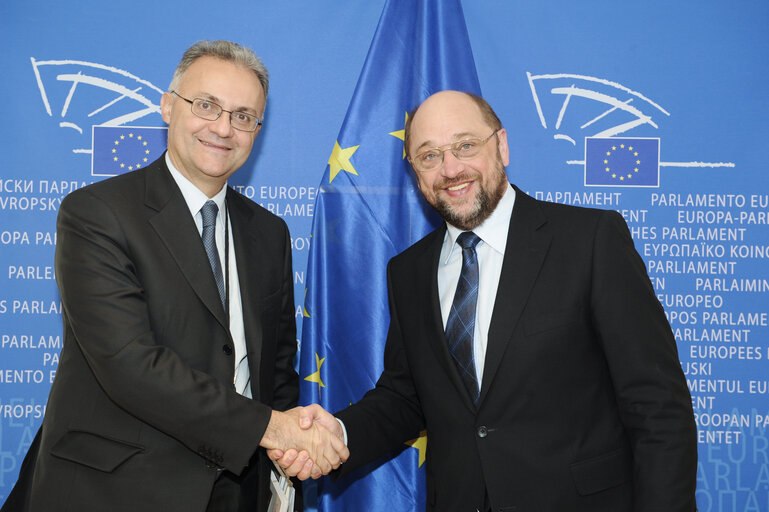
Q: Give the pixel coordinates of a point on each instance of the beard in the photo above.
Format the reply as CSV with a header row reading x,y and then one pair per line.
x,y
485,202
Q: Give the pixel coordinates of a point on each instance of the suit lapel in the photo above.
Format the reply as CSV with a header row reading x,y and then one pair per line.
x,y
433,325
527,245
175,227
251,265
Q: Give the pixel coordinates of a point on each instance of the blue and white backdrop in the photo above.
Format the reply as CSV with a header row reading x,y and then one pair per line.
x,y
682,83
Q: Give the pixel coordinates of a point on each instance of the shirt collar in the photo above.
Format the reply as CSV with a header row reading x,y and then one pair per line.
x,y
193,196
493,231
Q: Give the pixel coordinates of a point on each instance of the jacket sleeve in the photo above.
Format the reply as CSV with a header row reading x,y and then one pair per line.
x,y
389,414
652,394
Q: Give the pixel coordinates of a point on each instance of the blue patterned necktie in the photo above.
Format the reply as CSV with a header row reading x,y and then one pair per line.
x,y
460,326
208,212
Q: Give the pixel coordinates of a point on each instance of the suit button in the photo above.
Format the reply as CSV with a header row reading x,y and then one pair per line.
x,y
482,431
227,349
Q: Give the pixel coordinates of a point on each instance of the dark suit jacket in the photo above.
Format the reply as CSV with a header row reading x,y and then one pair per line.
x,y
583,404
143,414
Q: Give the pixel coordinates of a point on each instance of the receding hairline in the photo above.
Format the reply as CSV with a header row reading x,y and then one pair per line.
x,y
487,114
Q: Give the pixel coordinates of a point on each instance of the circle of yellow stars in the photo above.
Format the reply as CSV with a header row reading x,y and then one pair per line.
x,y
139,140
621,176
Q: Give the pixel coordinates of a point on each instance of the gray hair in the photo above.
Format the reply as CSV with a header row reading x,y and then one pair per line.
x,y
226,51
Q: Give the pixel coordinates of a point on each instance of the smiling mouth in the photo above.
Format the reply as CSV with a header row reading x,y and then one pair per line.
x,y
459,186
214,146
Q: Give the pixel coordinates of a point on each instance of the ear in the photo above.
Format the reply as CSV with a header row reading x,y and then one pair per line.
x,y
166,101
504,150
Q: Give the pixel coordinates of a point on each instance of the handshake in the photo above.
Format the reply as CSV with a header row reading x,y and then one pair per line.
x,y
305,441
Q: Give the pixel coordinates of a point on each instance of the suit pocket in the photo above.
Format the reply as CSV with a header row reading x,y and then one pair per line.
x,y
601,473
93,450
546,321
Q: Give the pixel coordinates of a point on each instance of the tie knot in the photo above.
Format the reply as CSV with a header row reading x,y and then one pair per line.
x,y
208,212
468,240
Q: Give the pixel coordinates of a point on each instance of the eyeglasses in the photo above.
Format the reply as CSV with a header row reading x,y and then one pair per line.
x,y
210,111
432,158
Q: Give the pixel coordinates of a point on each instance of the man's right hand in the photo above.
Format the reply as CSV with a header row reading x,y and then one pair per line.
x,y
297,461
305,434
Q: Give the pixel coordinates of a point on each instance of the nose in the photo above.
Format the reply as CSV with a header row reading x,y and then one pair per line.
x,y
222,126
452,166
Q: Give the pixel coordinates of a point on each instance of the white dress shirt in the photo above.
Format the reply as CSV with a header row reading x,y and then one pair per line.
x,y
491,253
195,199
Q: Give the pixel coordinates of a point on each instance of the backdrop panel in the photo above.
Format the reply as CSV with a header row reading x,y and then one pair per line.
x,y
681,83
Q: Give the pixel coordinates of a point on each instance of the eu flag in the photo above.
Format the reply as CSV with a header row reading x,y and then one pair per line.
x,y
121,149
369,209
627,162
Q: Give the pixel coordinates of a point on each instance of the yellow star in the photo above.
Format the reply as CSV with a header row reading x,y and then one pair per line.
x,y
144,143
131,135
114,150
622,145
420,443
614,148
630,148
638,161
122,137
114,158
340,161
315,377
401,134
304,309
117,142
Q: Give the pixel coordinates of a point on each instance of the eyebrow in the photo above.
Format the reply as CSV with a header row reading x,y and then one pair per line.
x,y
211,97
457,137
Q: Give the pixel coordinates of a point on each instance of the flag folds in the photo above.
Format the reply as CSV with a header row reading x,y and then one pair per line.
x,y
369,209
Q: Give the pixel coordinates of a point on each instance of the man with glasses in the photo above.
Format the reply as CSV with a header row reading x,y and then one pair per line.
x,y
179,330
526,338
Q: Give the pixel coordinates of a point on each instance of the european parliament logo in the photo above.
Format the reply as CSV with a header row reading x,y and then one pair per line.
x,y
625,162
94,103
121,149
600,111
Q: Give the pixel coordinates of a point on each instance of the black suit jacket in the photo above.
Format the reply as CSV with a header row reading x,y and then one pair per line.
x,y
143,414
583,404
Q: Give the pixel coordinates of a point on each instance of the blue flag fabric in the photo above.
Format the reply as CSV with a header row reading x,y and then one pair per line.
x,y
625,162
121,149
369,209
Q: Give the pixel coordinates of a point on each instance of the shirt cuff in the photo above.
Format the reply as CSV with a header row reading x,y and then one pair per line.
x,y
344,430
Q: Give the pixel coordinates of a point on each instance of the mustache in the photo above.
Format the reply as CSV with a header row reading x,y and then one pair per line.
x,y
447,182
